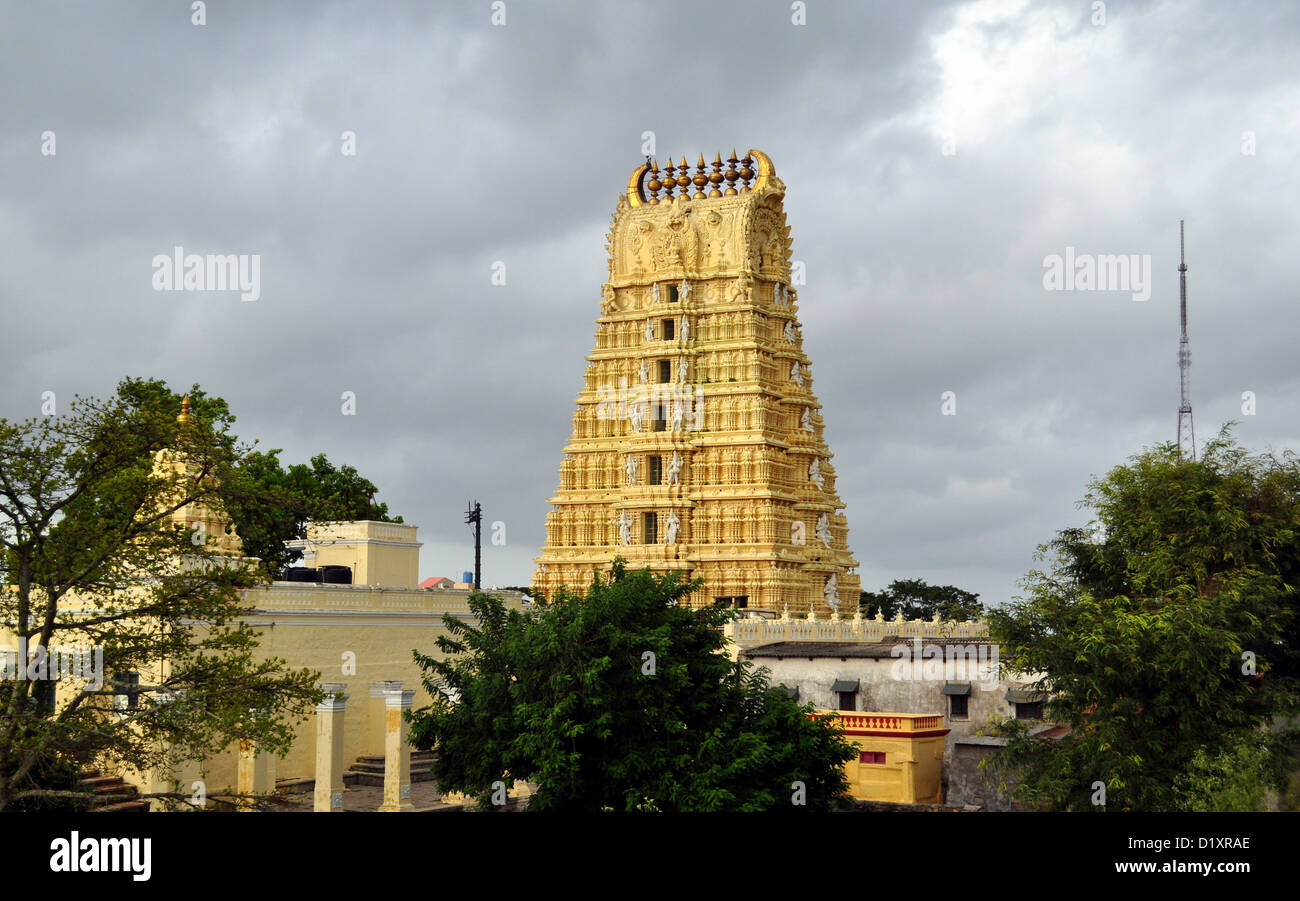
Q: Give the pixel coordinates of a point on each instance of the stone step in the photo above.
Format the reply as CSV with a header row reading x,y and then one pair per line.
x,y
123,807
422,758
103,784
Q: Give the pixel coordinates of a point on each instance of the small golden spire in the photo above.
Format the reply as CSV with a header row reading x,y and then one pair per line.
x,y
654,184
670,181
185,416
715,178
700,180
746,173
684,179
731,175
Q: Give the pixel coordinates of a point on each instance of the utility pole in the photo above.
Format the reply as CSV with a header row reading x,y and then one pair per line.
x,y
474,515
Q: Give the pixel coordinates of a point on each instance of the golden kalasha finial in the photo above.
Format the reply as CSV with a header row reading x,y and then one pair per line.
x,y
185,416
700,180
654,184
731,175
715,178
746,173
669,181
684,178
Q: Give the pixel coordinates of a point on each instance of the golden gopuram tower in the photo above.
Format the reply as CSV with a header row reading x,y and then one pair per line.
x,y
697,443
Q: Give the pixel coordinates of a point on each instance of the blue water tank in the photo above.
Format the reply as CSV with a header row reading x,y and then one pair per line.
x,y
467,577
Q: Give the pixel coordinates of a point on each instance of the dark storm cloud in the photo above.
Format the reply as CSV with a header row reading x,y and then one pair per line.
x,y
478,144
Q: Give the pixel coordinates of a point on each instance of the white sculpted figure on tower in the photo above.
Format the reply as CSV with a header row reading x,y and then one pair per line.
x,y
815,473
675,422
674,468
681,370
654,292
673,524
633,464
637,416
807,419
625,528
684,290
823,530
831,592
645,372
686,329
796,375
649,329
789,330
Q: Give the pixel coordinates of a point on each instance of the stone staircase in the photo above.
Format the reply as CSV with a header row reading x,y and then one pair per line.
x,y
369,769
109,786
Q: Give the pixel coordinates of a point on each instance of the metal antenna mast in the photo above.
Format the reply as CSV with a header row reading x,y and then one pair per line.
x,y
1186,433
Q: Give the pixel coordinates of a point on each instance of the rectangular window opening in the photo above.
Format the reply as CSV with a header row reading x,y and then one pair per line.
x,y
1029,710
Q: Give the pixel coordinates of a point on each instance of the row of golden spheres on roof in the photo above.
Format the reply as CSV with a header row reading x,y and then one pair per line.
x,y
755,166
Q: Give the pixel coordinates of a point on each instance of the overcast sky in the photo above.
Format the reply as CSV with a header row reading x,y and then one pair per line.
x,y
935,154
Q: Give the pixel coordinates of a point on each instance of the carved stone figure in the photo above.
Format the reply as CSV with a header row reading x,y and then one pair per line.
x,y
823,530
625,528
645,372
741,288
807,419
633,464
815,473
674,523
674,468
831,592
796,375
789,331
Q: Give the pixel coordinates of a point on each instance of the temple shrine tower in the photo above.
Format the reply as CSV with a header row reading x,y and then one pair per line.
x,y
698,442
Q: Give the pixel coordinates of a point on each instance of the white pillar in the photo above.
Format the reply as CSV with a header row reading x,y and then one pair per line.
x,y
329,748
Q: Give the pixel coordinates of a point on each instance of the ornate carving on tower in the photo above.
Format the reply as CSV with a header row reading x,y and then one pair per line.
x,y
698,442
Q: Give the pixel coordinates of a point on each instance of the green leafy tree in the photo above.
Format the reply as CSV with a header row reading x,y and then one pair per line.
x,y
268,502
915,599
93,559
1166,633
621,699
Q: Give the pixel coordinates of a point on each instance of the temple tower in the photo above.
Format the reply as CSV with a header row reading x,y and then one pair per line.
x,y
698,443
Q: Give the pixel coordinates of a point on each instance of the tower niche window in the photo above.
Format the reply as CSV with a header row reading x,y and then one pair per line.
x,y
672,294
670,329
660,417
656,470
665,371
650,527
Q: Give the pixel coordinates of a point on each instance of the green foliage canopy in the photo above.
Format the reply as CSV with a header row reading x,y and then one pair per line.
x,y
619,699
1167,633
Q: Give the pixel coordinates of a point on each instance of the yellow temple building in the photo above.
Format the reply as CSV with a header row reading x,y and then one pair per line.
x,y
698,442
